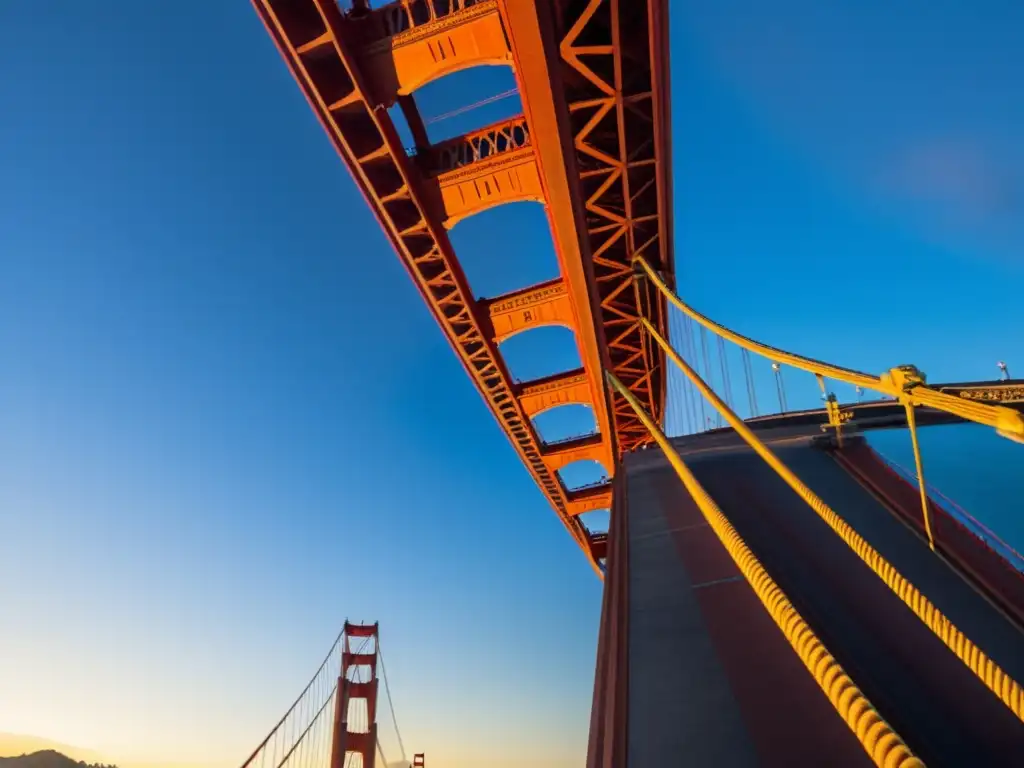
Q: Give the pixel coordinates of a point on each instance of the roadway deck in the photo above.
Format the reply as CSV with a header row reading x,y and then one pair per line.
x,y
712,681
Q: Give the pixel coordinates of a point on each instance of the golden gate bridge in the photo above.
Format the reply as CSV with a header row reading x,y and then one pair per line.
x,y
776,592
333,722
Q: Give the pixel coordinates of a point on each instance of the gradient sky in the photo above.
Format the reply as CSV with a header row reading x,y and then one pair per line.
x,y
227,420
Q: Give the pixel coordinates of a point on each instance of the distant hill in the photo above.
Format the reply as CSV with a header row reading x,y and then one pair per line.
x,y
48,758
16,744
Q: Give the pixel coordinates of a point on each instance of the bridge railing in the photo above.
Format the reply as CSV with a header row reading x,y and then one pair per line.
x,y
404,15
961,515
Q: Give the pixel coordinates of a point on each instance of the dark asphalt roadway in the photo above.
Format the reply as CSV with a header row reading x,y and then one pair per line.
x,y
702,641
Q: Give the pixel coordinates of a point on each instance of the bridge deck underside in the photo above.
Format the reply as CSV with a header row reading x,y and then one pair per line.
x,y
711,677
592,145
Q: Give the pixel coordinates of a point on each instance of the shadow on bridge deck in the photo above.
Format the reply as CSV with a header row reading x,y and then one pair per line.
x,y
712,679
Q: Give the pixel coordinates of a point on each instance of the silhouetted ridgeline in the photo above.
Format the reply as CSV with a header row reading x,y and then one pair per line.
x,y
48,758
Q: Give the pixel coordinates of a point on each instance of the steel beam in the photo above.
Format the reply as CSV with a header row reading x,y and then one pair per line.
x,y
323,50
538,75
533,307
616,57
594,73
408,44
592,146
483,169
589,499
559,455
539,395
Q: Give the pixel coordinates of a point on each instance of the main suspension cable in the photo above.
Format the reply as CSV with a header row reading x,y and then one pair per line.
x,y
273,731
903,383
308,728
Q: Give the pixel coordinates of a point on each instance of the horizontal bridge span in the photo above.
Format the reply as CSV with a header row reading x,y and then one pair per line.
x,y
482,169
543,304
539,395
889,414
587,448
589,499
592,145
508,177
407,45
312,37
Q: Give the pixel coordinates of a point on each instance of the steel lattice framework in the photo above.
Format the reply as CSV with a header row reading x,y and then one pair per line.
x,y
592,146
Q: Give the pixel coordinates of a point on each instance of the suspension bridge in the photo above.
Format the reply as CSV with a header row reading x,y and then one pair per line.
x,y
333,722
776,592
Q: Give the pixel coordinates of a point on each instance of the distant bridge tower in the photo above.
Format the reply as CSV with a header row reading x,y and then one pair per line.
x,y
355,718
418,761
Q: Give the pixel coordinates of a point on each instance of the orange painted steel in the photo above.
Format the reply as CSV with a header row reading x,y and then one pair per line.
x,y
599,546
483,169
346,742
539,305
592,146
413,43
589,499
588,448
615,72
571,388
605,166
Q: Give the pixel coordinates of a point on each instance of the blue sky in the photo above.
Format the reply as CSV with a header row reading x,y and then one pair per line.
x,y
228,421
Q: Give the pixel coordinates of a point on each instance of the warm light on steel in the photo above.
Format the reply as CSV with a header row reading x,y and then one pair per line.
x,y
592,146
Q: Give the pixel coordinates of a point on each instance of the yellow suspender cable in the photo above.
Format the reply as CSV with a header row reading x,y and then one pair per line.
x,y
926,509
999,682
881,743
905,383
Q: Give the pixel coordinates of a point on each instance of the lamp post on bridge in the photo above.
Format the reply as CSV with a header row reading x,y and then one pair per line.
x,y
1004,372
780,388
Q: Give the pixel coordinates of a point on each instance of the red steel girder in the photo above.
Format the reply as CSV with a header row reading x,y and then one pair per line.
x,y
323,51
618,91
593,145
565,452
492,166
539,395
606,84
